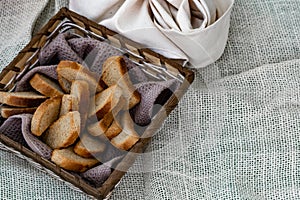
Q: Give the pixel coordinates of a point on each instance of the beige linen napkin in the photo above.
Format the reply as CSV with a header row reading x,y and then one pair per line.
x,y
198,27
96,10
195,30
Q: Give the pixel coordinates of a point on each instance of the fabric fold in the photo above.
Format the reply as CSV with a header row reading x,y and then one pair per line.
x,y
17,128
195,31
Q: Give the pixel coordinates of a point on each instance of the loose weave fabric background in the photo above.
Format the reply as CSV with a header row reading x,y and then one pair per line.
x,y
235,134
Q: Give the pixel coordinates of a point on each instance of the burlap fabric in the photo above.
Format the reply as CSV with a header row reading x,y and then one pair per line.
x,y
234,135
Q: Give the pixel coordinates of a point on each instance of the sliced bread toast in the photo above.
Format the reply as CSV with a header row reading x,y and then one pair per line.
x,y
128,137
74,71
45,86
80,90
104,102
115,72
113,130
21,99
100,127
67,159
45,115
68,103
6,111
63,132
64,84
88,146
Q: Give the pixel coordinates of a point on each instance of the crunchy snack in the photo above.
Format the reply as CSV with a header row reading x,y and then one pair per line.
x,y
67,159
45,115
64,131
79,103
89,145
45,86
7,111
21,99
115,72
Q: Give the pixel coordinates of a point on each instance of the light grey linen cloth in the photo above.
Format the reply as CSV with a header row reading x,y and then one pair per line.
x,y
234,135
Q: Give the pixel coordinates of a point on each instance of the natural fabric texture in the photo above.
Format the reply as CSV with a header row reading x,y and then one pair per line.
x,y
17,128
24,85
179,29
234,135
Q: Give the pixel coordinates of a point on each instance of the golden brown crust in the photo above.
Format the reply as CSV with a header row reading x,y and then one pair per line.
x,y
45,86
134,99
67,159
97,128
128,137
63,133
72,71
21,99
109,70
124,140
114,130
45,115
80,150
105,109
103,103
6,112
88,145
64,84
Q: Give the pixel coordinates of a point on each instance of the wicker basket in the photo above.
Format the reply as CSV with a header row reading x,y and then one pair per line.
x,y
150,62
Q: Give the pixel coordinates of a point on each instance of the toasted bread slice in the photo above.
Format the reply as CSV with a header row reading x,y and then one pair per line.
x,y
88,146
45,86
6,111
68,103
114,129
80,90
21,99
105,101
64,131
64,84
128,137
67,159
45,115
100,127
73,71
115,72
113,69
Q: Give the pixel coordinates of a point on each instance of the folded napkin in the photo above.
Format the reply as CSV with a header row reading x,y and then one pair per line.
x,y
194,30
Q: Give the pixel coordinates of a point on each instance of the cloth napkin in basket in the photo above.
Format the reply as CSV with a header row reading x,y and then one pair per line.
x,y
195,30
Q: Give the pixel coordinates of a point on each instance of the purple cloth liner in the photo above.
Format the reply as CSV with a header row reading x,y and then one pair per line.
x,y
24,85
87,51
17,128
92,54
150,91
99,174
58,50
